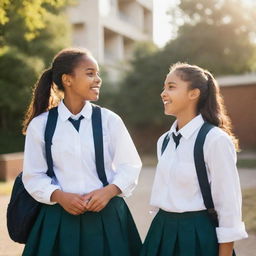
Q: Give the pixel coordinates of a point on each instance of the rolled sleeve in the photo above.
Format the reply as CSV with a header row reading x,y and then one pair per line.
x,y
126,161
38,184
226,235
225,187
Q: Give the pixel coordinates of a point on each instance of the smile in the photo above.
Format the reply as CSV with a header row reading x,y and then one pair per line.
x,y
165,102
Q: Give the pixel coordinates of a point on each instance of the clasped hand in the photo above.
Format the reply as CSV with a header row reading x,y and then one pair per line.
x,y
94,201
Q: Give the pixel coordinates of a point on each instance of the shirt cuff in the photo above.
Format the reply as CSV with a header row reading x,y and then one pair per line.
x,y
126,190
47,195
226,235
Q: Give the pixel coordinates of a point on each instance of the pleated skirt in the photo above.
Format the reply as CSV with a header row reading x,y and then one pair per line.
x,y
110,232
181,234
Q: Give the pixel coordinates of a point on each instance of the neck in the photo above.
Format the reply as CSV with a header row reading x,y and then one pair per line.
x,y
184,118
74,105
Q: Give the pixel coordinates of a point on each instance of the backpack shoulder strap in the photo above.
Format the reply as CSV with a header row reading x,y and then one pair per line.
x,y
165,143
49,131
98,143
201,169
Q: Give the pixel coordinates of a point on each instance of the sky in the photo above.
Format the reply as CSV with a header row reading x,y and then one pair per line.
x,y
162,27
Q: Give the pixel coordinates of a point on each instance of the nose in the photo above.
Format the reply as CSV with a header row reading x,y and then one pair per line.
x,y
98,79
163,94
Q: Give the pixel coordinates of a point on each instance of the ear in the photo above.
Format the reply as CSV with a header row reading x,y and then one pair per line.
x,y
66,80
194,94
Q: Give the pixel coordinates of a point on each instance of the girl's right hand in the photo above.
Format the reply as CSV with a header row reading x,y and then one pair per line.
x,y
71,202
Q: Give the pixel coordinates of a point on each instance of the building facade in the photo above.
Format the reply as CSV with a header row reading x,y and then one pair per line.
x,y
239,92
110,28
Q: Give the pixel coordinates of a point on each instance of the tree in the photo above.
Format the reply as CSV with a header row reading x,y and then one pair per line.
x,y
29,15
216,34
24,52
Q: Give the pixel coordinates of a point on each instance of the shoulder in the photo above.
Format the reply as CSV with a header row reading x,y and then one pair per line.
x,y
216,134
110,118
38,123
218,140
161,139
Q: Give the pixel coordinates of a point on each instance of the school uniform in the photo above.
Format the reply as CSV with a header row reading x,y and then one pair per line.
x,y
56,232
182,225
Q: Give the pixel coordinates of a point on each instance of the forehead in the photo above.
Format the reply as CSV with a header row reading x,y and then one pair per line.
x,y
172,77
88,62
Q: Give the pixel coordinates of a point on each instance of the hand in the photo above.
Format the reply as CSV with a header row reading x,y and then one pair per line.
x,y
72,203
98,199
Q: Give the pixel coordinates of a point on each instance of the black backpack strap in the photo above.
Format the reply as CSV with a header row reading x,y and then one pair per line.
x,y
49,131
202,172
98,143
165,143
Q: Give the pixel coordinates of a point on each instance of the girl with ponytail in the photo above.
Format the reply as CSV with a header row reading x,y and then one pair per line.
x,y
83,211
183,224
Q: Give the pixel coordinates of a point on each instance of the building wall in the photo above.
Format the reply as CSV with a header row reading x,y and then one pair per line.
x,y
111,28
240,102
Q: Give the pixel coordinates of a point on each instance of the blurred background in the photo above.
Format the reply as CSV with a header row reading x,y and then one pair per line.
x,y
135,42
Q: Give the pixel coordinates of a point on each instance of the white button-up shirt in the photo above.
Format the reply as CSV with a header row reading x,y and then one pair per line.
x,y
176,187
74,156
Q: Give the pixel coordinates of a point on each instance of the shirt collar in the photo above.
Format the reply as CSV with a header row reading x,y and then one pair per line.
x,y
189,128
64,113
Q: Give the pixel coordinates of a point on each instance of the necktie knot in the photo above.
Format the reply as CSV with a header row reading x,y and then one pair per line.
x,y
176,138
76,123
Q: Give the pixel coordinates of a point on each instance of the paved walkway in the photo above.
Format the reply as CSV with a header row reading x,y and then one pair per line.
x,y
139,206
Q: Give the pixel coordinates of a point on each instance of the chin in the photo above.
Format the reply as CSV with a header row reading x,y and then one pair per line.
x,y
95,98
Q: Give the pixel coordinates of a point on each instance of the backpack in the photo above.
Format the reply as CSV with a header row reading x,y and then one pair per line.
x,y
23,209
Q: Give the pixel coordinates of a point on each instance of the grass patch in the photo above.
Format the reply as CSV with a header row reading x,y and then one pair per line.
x,y
6,187
249,209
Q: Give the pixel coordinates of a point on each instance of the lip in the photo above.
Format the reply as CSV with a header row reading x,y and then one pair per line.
x,y
95,87
165,102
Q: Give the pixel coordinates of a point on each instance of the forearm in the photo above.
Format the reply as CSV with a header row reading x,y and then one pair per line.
x,y
113,190
226,249
56,195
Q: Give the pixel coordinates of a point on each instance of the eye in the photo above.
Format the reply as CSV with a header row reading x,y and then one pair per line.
x,y
90,74
171,86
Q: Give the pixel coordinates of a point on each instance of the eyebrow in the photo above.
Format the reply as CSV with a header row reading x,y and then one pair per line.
x,y
169,83
89,69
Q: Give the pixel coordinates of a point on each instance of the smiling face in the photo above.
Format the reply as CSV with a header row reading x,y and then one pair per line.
x,y
177,97
84,83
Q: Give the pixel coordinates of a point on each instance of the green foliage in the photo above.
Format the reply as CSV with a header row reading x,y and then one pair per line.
x,y
29,15
32,34
214,34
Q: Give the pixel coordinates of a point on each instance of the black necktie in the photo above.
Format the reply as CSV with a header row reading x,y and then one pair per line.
x,y
76,123
176,138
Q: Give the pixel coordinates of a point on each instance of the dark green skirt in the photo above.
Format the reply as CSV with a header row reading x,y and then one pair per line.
x,y
181,234
110,232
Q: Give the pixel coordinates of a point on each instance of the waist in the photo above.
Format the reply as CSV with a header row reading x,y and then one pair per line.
x,y
182,215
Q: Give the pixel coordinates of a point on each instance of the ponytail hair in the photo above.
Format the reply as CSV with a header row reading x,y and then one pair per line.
x,y
40,98
50,83
210,104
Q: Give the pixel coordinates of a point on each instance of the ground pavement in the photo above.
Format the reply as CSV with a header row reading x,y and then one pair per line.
x,y
139,206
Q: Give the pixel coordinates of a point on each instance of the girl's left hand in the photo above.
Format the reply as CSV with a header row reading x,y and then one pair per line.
x,y
98,199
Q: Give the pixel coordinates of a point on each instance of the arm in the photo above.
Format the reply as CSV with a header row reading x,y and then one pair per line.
x,y
36,181
126,161
226,192
226,249
126,164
